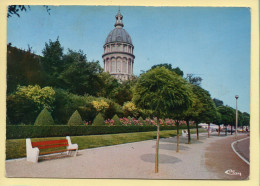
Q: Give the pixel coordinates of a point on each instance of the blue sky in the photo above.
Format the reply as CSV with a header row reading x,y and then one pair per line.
x,y
213,43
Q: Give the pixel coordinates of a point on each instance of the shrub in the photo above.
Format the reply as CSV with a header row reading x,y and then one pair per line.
x,y
31,131
99,120
44,118
116,120
26,102
100,106
130,120
130,109
75,119
141,120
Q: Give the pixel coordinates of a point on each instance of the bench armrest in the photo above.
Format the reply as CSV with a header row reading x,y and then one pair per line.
x,y
71,146
32,154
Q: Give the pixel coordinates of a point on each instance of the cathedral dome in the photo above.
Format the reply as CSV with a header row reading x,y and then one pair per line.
x,y
118,35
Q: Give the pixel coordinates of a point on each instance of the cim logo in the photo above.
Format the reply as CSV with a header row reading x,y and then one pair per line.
x,y
233,172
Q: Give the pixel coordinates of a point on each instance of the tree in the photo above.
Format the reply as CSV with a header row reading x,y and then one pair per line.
x,y
23,68
52,61
246,119
109,85
195,80
228,115
208,111
80,76
123,92
217,120
163,91
218,102
75,119
193,112
16,9
177,70
44,118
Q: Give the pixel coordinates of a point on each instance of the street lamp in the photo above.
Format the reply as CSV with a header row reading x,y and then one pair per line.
x,y
236,114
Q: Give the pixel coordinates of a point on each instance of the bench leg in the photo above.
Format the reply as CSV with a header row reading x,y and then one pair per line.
x,y
75,153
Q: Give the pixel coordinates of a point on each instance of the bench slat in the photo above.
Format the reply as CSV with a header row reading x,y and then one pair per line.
x,y
44,143
43,153
52,146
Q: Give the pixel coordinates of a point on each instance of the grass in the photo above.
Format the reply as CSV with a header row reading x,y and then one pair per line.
x,y
15,148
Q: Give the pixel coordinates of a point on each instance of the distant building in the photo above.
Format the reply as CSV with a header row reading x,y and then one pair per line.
x,y
118,57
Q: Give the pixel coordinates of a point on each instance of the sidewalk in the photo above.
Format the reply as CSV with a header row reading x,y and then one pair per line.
x,y
132,160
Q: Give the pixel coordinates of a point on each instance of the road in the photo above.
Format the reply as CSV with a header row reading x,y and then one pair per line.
x,y
224,162
242,147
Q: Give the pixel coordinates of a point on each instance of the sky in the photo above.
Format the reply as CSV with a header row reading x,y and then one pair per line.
x,y
213,43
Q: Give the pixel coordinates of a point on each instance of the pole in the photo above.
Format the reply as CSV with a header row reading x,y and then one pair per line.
x,y
177,124
157,147
208,129
236,115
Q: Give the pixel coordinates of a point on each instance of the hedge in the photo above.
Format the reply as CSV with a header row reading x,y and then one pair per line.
x,y
30,131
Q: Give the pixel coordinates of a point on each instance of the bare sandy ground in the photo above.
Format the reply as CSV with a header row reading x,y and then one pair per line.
x,y
131,160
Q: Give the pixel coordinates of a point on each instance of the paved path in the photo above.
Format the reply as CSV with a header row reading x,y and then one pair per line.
x,y
222,160
132,160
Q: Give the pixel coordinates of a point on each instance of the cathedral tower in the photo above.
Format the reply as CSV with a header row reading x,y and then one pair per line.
x,y
118,57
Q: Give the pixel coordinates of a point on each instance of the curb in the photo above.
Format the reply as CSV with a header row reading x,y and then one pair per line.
x,y
232,145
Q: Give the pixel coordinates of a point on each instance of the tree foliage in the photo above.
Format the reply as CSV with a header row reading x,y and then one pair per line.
x,y
123,92
52,61
16,9
195,80
246,119
228,115
208,110
130,109
168,66
23,68
80,76
163,91
218,102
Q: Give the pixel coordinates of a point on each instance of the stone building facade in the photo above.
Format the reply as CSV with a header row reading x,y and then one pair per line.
x,y
118,57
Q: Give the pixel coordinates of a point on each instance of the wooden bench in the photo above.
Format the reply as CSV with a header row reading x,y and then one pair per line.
x,y
33,148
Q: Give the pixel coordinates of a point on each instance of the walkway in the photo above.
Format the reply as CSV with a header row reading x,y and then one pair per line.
x,y
134,160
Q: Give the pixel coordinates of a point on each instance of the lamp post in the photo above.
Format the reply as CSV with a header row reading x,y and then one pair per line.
x,y
236,114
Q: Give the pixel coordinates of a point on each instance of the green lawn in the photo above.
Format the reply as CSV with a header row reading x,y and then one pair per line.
x,y
15,148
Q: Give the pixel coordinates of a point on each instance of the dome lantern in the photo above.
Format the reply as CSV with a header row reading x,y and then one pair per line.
x,y
119,20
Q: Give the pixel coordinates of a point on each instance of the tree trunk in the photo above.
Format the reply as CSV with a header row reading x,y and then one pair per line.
x,y
226,130
157,147
188,126
231,129
177,125
208,129
218,130
197,128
